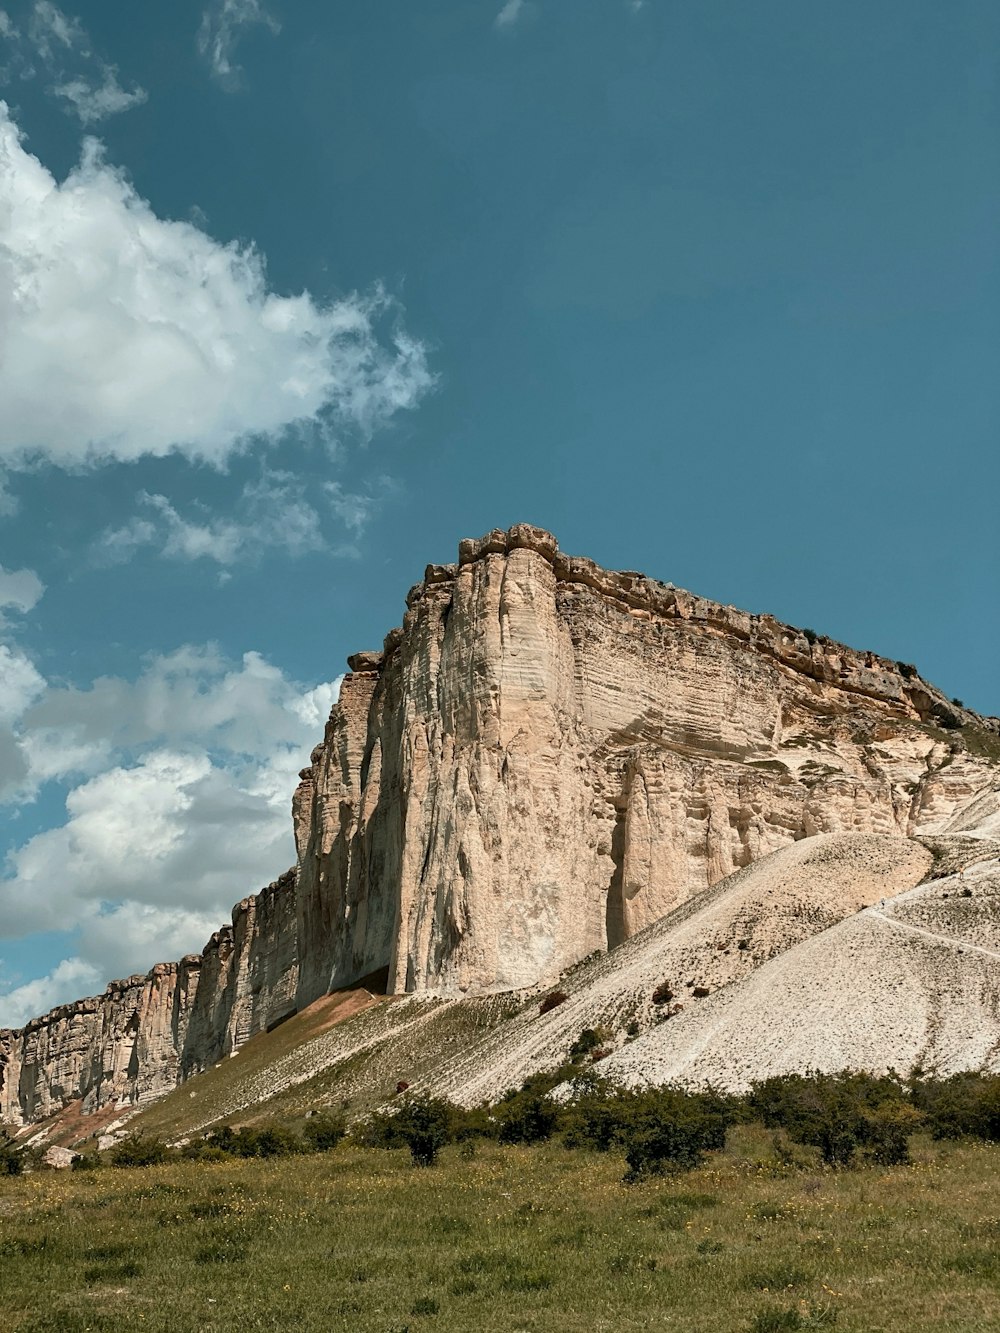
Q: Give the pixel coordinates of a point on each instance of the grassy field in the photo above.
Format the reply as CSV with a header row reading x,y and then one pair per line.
x,y
506,1239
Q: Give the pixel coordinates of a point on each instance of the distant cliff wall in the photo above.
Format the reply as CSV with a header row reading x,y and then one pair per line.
x,y
546,757
145,1034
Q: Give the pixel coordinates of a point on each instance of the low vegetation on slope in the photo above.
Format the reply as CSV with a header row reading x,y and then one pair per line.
x,y
759,1239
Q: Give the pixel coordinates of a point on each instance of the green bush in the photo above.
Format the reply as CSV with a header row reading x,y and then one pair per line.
x,y
963,1106
266,1141
324,1132
589,1040
139,1150
424,1124
11,1159
529,1115
840,1114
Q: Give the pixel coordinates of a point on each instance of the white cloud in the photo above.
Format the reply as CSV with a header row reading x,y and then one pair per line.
x,y
20,590
273,513
20,686
191,700
71,979
222,25
180,807
509,14
124,335
93,101
20,683
58,44
53,33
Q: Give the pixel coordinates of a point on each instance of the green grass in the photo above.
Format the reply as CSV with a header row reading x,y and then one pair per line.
x,y
534,1239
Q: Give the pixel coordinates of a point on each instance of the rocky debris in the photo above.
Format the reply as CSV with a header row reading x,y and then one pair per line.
x,y
60,1158
545,758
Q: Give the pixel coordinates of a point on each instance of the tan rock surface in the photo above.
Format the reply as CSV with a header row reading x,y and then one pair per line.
x,y
549,756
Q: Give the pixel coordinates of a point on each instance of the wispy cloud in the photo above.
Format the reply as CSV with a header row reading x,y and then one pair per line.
x,y
272,514
51,32
222,25
58,46
509,14
94,102
276,513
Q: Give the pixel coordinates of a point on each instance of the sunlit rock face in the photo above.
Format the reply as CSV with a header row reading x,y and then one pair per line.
x,y
146,1034
545,758
549,756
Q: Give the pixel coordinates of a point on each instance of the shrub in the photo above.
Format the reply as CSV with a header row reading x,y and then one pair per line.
x,y
139,1150
424,1124
529,1116
324,1132
266,1141
552,1001
589,1040
965,1105
839,1114
11,1160
810,635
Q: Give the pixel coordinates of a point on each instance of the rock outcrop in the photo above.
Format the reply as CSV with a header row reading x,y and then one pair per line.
x,y
544,759
146,1034
549,756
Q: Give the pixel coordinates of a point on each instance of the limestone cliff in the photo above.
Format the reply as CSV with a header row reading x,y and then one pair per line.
x,y
549,756
544,759
146,1034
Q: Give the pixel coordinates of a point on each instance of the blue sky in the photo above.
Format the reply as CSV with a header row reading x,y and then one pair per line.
x,y
292,297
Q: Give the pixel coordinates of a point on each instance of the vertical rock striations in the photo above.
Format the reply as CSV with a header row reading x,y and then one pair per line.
x,y
145,1034
544,759
548,756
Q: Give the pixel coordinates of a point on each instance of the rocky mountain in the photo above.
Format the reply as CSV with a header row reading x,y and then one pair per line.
x,y
543,761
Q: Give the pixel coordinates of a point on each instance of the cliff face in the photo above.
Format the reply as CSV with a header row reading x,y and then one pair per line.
x,y
544,759
549,756
146,1034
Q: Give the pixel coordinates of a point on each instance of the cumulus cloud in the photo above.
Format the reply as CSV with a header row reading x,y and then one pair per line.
x,y
178,805
20,686
70,979
20,682
222,26
124,335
